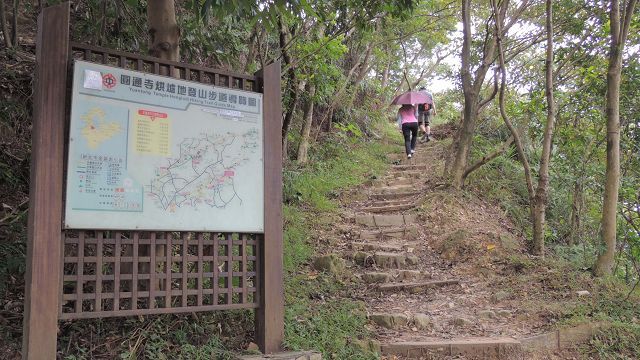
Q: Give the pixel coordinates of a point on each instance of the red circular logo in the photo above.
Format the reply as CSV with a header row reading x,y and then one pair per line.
x,y
108,81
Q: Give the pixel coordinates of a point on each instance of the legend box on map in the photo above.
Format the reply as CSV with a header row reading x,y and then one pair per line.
x,y
151,132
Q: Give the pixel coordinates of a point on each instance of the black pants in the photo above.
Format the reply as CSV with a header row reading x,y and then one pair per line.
x,y
410,132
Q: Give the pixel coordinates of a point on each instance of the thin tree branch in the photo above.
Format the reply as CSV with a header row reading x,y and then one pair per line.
x,y
489,157
519,147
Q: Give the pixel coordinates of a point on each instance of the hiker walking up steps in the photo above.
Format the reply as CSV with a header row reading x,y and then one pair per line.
x,y
426,111
408,123
407,120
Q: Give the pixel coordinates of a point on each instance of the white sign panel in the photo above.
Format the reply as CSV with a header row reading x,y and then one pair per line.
x,y
155,153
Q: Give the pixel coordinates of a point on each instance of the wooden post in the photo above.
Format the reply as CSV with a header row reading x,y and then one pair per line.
x,y
44,247
270,314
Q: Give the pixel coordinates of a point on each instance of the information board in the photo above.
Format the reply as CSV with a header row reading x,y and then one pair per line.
x,y
157,153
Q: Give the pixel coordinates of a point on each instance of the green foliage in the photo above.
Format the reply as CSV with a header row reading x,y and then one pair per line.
x,y
12,262
330,328
335,166
114,24
296,238
319,65
580,256
220,41
156,337
349,131
502,181
620,341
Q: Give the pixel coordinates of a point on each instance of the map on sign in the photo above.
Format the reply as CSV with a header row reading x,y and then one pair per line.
x,y
97,128
157,153
198,176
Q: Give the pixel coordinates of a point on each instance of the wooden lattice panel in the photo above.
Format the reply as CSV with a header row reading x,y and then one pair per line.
x,y
117,273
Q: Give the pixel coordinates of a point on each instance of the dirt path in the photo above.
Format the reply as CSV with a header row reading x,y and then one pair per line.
x,y
426,262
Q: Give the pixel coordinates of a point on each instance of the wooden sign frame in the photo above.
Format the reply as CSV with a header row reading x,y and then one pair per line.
x,y
100,273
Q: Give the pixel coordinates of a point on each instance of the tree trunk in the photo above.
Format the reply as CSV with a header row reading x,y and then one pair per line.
x,y
385,75
292,84
522,156
576,210
543,173
471,89
619,32
303,148
14,32
163,30
290,112
253,48
5,26
164,43
103,24
453,148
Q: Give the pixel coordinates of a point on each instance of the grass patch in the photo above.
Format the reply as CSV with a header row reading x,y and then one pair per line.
x,y
337,166
330,328
297,249
620,341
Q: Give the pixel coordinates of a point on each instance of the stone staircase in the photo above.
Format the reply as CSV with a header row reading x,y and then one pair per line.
x,y
387,252
417,305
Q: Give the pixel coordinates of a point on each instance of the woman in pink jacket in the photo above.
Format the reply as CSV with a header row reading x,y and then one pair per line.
x,y
408,123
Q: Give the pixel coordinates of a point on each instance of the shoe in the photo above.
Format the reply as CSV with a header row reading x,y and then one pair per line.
x,y
409,156
427,139
413,152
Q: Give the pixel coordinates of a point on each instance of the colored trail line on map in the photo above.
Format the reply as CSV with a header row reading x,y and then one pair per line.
x,y
152,131
203,173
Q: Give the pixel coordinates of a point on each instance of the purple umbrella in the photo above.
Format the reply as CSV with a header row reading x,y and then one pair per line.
x,y
412,97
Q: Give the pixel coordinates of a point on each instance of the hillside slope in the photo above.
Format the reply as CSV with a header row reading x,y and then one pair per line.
x,y
434,267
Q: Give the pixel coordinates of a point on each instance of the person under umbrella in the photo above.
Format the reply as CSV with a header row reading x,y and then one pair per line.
x,y
408,124
407,120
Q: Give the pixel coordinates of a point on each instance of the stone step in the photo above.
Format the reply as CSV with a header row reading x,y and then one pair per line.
x,y
377,277
405,232
416,287
422,167
412,174
376,247
391,196
395,181
374,277
390,321
384,259
389,260
417,159
385,220
468,348
388,208
402,201
396,189
408,275
400,155
400,320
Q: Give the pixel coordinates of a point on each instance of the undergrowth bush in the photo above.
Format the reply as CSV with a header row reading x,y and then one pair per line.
x,y
502,181
620,341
